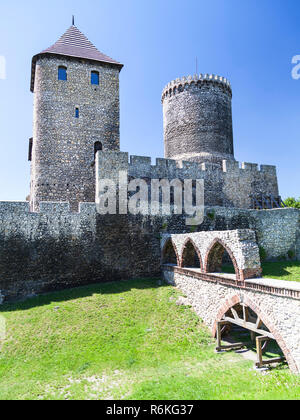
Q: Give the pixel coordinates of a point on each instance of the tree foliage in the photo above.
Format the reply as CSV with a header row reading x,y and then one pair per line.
x,y
292,202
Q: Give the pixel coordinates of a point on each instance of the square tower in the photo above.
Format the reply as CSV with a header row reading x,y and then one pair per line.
x,y
76,113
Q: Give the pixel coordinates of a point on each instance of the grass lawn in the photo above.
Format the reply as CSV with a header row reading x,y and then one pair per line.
x,y
124,340
281,270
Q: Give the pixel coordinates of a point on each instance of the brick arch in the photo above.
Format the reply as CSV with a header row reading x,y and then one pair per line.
x,y
168,241
216,241
189,240
234,300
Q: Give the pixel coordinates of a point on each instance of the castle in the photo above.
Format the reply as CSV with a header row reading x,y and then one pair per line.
x,y
59,240
76,114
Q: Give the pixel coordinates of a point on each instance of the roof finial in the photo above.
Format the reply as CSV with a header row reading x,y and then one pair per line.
x,y
73,20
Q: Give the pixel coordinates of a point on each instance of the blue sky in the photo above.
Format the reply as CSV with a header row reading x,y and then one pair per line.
x,y
250,42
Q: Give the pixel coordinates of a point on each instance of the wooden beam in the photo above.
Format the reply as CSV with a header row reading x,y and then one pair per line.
x,y
245,313
234,313
230,346
269,361
258,322
249,326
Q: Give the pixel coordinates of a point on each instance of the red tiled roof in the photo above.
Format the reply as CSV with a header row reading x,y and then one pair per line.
x,y
74,43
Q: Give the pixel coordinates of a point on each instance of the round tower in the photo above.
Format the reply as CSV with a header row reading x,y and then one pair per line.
x,y
76,113
198,119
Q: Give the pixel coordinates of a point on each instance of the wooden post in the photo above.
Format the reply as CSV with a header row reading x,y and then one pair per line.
x,y
259,352
219,338
221,347
260,362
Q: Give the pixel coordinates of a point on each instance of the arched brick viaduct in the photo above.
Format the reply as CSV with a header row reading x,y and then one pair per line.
x,y
277,303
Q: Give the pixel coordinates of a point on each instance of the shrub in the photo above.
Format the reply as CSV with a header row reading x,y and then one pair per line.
x,y
211,215
292,202
262,253
291,254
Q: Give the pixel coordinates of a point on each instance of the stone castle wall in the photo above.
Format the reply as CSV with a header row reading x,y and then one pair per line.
x,y
56,248
229,186
62,166
198,119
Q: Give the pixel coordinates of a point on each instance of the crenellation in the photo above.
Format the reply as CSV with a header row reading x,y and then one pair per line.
x,y
14,207
249,166
229,185
230,166
270,169
172,87
143,161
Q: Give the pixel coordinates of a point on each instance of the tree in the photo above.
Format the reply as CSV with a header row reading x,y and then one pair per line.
x,y
292,202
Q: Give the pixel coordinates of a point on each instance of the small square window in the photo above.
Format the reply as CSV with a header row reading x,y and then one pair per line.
x,y
62,73
95,78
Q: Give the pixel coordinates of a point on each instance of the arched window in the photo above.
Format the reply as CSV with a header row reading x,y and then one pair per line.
x,y
95,78
97,147
168,254
221,260
62,73
76,112
190,257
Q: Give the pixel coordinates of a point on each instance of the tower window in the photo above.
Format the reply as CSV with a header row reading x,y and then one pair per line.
x,y
62,73
97,147
30,149
95,78
76,112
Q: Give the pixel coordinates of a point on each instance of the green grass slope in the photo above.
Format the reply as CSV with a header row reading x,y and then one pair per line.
x,y
124,340
280,270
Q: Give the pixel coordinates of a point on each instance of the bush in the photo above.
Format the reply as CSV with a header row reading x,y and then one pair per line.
x,y
291,254
262,253
292,202
211,215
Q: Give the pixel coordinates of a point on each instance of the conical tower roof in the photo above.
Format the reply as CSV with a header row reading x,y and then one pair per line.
x,y
74,43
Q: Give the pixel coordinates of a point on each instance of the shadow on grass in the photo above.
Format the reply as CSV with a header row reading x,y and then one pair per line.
x,y
274,269
82,292
279,268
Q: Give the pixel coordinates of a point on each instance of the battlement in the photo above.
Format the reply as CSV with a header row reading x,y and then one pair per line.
x,y
141,166
180,84
234,166
233,184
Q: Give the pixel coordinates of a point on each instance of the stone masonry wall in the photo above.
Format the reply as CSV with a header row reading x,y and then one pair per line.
x,y
229,186
198,119
56,248
212,300
63,146
277,230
